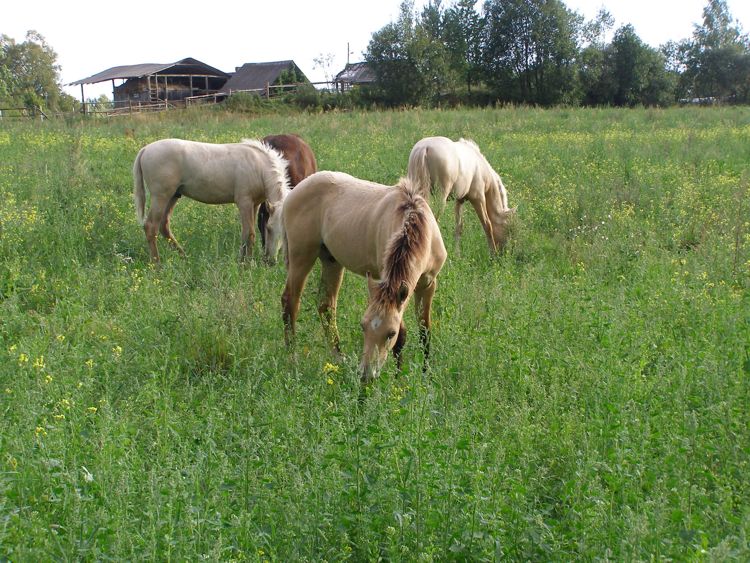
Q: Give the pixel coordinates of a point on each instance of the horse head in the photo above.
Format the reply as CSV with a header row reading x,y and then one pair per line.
x,y
380,327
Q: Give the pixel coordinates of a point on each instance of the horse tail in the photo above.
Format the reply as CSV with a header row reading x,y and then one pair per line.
x,y
419,173
139,193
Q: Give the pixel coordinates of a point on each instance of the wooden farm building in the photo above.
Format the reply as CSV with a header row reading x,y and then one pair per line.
x,y
258,77
154,82
354,74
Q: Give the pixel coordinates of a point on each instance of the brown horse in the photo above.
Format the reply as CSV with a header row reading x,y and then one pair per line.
x,y
374,231
300,164
460,170
246,173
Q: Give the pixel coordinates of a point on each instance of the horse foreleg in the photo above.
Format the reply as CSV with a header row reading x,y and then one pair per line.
x,y
332,274
297,272
262,221
459,225
153,222
166,232
399,345
247,218
481,209
423,302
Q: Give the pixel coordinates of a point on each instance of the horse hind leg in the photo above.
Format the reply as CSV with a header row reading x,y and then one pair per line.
x,y
153,222
332,274
164,229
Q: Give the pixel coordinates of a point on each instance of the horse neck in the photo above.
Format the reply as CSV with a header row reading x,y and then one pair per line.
x,y
276,189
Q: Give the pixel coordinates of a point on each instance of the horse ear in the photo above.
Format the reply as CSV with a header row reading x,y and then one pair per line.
x,y
372,285
403,293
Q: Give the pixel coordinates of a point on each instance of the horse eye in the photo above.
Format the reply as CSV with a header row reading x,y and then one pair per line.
x,y
391,335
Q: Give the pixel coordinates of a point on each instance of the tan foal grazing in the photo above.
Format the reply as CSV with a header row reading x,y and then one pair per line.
x,y
386,234
246,173
460,170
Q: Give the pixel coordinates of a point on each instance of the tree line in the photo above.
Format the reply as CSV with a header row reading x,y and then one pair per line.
x,y
540,52
535,52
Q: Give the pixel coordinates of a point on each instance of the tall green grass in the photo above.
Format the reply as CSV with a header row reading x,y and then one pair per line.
x,y
588,397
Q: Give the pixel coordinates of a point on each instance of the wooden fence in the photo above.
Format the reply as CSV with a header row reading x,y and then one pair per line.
x,y
22,113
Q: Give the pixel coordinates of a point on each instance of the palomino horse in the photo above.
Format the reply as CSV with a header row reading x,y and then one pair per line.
x,y
246,173
366,228
461,170
301,163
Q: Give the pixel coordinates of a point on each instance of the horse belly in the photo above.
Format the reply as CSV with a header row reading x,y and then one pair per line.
x,y
207,191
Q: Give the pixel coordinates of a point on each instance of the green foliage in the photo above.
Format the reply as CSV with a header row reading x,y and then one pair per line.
x,y
29,74
717,59
587,393
530,49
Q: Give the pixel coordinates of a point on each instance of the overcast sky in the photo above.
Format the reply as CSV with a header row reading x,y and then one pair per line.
x,y
94,36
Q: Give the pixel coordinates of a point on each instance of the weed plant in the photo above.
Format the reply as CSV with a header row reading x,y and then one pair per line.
x,y
588,396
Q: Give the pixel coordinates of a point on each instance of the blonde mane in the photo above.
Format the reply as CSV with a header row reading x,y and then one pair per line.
x,y
401,264
278,169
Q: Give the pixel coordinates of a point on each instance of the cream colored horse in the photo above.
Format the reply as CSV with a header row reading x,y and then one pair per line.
x,y
246,173
375,231
461,170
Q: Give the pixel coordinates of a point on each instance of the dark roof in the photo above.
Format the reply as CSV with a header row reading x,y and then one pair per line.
x,y
255,76
184,67
356,73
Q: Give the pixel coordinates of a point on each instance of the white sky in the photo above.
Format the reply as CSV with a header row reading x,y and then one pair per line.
x,y
92,37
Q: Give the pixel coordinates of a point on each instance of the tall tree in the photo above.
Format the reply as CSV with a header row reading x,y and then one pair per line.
x,y
530,48
409,57
717,59
462,38
30,73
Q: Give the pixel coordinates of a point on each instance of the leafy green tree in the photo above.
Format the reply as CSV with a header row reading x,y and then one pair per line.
x,y
409,58
30,73
462,28
530,50
717,59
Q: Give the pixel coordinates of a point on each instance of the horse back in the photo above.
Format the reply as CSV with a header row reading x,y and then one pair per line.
x,y
297,153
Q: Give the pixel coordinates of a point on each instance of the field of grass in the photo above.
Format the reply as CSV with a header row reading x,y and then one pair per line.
x,y
589,394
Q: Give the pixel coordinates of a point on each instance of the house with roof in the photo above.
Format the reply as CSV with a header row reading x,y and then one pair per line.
x,y
259,77
154,82
354,74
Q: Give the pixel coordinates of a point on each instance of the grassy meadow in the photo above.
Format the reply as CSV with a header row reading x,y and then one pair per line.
x,y
589,390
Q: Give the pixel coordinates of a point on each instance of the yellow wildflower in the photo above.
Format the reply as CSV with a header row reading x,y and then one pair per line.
x,y
60,337
39,363
330,368
89,363
92,410
22,359
40,431
329,381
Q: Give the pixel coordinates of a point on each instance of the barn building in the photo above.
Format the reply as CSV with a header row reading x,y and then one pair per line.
x,y
154,82
258,77
354,74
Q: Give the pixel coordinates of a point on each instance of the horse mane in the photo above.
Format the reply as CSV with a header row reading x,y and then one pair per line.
x,y
502,193
406,246
278,165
